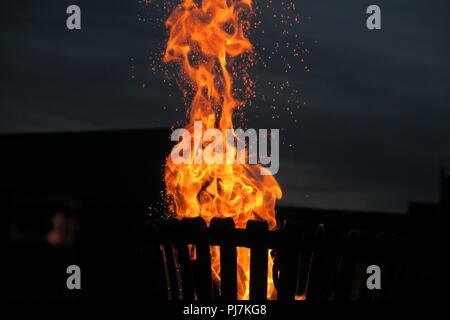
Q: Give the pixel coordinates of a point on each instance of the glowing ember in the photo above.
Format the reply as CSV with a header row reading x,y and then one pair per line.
x,y
203,39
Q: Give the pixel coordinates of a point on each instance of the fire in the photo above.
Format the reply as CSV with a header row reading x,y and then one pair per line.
x,y
204,38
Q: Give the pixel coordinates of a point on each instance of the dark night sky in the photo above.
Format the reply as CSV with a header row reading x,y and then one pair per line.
x,y
372,136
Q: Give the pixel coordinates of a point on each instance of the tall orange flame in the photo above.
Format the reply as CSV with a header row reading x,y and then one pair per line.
x,y
203,39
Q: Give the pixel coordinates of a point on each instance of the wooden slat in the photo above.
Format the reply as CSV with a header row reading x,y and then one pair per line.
x,y
351,276
347,268
389,266
228,261
258,264
322,270
171,272
203,283
185,271
172,286
288,257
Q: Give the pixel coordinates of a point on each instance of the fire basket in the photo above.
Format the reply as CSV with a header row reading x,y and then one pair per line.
x,y
310,261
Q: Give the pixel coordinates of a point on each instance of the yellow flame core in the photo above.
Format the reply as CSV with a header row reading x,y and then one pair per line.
x,y
203,38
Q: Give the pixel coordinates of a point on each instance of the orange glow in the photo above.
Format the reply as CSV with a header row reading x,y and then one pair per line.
x,y
203,39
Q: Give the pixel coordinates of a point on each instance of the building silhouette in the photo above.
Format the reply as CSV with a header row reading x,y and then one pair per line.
x,y
440,208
